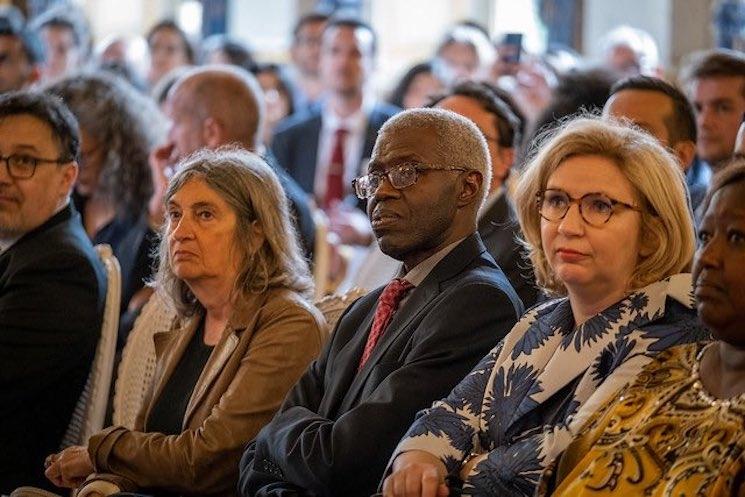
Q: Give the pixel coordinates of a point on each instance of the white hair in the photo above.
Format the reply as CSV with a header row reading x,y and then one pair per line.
x,y
459,142
639,41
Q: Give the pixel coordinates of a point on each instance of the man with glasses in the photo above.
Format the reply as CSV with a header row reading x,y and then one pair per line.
x,y
404,345
52,285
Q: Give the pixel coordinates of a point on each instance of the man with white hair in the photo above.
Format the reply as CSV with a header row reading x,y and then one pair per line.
x,y
630,51
408,343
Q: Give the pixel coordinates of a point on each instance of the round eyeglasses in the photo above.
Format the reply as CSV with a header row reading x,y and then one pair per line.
x,y
21,166
400,177
595,208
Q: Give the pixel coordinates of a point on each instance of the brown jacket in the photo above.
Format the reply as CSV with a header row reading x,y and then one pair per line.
x,y
268,343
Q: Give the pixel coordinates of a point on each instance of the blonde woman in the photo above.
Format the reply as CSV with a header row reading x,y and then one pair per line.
x,y
605,219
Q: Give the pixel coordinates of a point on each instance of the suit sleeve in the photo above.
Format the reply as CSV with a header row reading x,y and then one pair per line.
x,y
204,460
320,454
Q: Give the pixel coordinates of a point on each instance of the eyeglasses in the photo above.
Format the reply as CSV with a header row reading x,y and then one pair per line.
x,y
24,166
400,176
595,208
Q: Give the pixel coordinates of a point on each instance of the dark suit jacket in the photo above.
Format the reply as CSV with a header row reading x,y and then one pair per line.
x,y
295,143
499,230
52,294
337,427
299,206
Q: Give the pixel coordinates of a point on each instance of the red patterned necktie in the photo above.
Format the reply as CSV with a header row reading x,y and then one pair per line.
x,y
387,305
335,174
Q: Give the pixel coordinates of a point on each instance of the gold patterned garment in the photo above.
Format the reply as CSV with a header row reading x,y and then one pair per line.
x,y
662,436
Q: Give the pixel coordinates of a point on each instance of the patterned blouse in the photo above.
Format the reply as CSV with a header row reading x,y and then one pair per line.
x,y
663,436
518,409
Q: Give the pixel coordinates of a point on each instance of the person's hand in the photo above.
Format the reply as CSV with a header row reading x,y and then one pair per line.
x,y
69,468
416,474
161,162
350,224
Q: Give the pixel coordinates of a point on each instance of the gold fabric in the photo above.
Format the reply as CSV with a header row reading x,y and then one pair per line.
x,y
662,436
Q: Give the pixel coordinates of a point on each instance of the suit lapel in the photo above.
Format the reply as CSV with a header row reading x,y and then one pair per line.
x,y
309,154
422,296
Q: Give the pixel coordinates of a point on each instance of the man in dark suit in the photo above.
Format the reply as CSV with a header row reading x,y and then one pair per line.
x,y
401,347
213,106
52,285
325,148
498,224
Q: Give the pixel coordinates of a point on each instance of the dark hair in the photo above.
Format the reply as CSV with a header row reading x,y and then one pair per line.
x,y
49,109
714,63
681,126
285,85
237,52
12,24
310,18
733,172
170,24
126,123
353,23
578,91
399,92
65,16
506,122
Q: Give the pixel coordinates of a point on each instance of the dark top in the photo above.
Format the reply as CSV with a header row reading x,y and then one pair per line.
x,y
167,414
52,293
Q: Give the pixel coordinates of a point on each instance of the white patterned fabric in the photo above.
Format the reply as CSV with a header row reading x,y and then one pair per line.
x,y
519,407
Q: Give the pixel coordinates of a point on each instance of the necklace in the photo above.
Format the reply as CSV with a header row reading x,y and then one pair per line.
x,y
698,386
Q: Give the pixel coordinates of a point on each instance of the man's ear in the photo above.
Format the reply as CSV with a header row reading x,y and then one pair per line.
x,y
212,133
68,177
685,151
471,184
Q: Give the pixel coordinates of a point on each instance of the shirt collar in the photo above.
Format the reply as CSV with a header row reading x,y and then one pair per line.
x,y
419,272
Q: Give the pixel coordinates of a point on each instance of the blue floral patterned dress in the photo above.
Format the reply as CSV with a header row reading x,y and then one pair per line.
x,y
519,408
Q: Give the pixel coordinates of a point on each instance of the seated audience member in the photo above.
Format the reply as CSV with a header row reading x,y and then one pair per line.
x,y
602,233
416,87
23,51
630,51
677,428
169,48
278,99
305,53
65,35
464,53
324,149
232,268
224,49
118,128
715,84
399,347
213,106
664,111
52,285
497,223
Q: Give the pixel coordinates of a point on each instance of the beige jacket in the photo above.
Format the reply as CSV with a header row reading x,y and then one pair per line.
x,y
268,343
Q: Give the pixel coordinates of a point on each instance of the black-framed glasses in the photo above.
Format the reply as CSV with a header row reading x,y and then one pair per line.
x,y
22,166
595,208
400,177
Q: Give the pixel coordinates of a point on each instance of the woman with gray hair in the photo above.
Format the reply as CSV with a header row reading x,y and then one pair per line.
x,y
118,128
231,265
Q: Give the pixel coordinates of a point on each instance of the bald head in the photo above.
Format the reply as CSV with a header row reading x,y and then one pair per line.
x,y
224,103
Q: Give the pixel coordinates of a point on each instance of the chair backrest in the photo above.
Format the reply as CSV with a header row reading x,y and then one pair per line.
x,y
90,411
321,253
332,306
137,367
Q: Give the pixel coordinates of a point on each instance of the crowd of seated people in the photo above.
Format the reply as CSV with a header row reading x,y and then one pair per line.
x,y
548,249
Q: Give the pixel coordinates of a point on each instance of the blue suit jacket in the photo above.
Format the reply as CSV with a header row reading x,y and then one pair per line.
x,y
295,143
338,426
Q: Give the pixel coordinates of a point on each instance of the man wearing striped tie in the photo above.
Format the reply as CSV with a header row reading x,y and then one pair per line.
x,y
406,344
